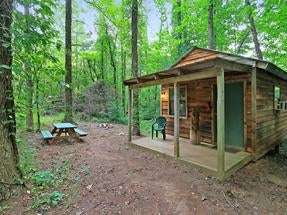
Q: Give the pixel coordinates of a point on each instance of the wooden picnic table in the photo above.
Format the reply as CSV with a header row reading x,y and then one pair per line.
x,y
66,129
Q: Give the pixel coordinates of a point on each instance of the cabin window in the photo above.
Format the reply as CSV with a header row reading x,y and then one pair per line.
x,y
182,101
277,97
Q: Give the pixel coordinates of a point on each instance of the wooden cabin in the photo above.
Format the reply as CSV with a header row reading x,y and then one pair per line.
x,y
223,101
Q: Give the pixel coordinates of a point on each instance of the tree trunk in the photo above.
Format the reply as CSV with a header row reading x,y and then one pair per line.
x,y
37,104
29,114
123,59
68,63
243,40
112,58
102,65
8,148
91,70
211,32
177,19
29,82
254,32
134,25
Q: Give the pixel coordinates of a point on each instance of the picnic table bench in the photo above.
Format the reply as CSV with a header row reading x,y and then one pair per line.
x,y
63,128
46,135
80,132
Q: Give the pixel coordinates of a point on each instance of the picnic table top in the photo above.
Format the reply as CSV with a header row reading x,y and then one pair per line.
x,y
64,125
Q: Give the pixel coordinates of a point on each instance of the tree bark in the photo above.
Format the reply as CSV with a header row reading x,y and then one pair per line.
x,y
102,65
29,81
239,47
254,32
91,69
211,32
37,104
134,26
123,59
8,148
29,114
112,58
179,19
68,63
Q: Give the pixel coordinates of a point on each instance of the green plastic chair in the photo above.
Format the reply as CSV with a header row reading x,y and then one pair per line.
x,y
159,126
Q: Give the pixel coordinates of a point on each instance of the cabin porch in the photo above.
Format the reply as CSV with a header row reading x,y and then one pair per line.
x,y
200,155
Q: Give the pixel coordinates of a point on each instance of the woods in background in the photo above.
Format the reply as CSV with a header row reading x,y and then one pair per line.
x,y
56,59
47,47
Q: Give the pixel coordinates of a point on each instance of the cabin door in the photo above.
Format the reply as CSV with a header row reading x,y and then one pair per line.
x,y
234,115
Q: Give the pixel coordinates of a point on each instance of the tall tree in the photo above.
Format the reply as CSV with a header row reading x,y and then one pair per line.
x,y
112,57
254,31
177,21
134,26
68,63
8,148
211,32
29,78
123,76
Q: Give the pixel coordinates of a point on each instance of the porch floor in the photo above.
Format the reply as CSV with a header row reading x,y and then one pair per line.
x,y
199,155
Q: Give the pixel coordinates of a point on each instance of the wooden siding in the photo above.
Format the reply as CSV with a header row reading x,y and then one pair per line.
x,y
271,125
199,94
196,56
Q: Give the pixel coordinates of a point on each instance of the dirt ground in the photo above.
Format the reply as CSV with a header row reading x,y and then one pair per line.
x,y
109,177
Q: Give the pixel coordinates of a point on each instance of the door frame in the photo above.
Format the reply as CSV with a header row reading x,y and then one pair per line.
x,y
213,115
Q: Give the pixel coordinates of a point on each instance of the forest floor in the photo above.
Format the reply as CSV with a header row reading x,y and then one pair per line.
x,y
107,176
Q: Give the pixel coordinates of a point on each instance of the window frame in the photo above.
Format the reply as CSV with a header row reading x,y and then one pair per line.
x,y
275,99
185,98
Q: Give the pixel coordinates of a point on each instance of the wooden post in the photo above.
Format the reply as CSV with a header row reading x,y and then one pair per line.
x,y
253,109
176,120
130,104
220,125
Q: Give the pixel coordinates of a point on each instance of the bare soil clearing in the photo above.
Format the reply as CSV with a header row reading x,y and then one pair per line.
x,y
109,177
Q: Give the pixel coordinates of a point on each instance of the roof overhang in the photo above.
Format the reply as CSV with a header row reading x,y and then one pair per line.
x,y
186,73
229,62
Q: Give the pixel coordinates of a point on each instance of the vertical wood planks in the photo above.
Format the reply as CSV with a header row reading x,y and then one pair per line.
x,y
130,116
220,125
253,108
176,119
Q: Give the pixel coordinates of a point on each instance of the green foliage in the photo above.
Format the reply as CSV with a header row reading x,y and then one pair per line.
x,y
48,120
61,172
98,101
27,158
42,182
146,126
48,200
115,113
43,178
39,48
55,198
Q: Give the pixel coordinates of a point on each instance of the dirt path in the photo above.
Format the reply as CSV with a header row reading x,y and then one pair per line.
x,y
109,177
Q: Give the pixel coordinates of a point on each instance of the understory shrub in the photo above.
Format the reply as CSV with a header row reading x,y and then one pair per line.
x,y
43,178
100,101
48,200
